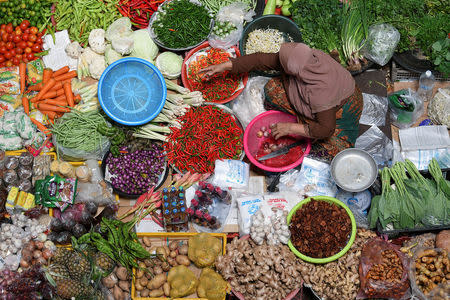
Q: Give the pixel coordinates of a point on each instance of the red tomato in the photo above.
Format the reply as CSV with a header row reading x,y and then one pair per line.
x,y
5,37
25,36
36,48
24,59
39,40
9,45
30,44
34,30
19,50
30,56
3,27
18,32
2,31
19,56
27,50
15,61
3,49
22,44
32,38
9,28
24,25
10,37
2,58
2,43
3,64
27,30
13,51
17,39
9,63
8,55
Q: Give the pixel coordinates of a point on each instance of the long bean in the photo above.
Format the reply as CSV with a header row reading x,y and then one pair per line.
x,y
216,5
79,130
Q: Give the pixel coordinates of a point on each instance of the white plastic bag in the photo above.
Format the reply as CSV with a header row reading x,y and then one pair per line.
x,y
231,173
374,111
377,144
250,102
381,43
235,13
247,207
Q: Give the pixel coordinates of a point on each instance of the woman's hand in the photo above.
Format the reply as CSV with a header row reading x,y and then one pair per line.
x,y
214,69
282,129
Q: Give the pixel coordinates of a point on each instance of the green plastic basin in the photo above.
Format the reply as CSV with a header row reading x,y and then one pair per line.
x,y
340,253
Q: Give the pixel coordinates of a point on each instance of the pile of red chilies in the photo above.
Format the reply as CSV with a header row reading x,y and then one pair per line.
x,y
139,11
207,134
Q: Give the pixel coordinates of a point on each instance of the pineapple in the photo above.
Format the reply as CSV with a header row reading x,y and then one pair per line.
x,y
78,266
58,272
62,256
104,262
70,288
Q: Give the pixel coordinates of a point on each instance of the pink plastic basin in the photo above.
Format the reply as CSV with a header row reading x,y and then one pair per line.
x,y
252,142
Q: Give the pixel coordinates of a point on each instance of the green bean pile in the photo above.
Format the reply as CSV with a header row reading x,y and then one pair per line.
x,y
181,23
79,17
76,130
216,5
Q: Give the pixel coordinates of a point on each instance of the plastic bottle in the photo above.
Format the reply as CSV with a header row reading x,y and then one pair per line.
x,y
426,84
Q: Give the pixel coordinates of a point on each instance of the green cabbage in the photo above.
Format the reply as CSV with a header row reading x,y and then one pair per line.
x,y
111,55
144,47
169,64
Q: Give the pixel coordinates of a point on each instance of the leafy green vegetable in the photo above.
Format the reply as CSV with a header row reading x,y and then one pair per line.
x,y
440,56
144,47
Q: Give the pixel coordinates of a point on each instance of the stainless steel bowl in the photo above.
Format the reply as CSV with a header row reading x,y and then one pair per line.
x,y
354,170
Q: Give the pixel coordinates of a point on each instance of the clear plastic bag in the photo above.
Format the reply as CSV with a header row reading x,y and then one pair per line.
x,y
372,258
439,108
358,204
231,173
250,102
97,190
69,154
235,13
405,108
377,144
381,43
374,111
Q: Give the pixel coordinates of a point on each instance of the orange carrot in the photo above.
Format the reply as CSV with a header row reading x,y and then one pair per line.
x,y
22,76
26,105
60,98
50,114
36,87
77,98
54,102
57,86
61,71
53,93
34,100
47,75
41,127
68,75
69,95
43,106
46,88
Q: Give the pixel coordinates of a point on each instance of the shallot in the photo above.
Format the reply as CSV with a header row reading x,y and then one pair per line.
x,y
259,134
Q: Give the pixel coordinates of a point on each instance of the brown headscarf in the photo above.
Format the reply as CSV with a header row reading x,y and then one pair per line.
x,y
317,82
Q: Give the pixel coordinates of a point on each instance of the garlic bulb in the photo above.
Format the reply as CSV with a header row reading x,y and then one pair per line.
x,y
274,230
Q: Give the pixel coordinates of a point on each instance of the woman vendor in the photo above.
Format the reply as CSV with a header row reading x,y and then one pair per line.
x,y
314,87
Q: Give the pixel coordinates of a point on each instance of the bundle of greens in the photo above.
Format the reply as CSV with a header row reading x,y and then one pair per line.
x,y
415,201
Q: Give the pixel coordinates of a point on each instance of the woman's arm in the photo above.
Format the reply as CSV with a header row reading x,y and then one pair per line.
x,y
246,63
322,128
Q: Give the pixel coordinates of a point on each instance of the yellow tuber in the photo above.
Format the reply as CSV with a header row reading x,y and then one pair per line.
x,y
212,286
204,249
182,281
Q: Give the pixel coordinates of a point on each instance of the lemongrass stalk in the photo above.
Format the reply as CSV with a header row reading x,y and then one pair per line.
x,y
151,135
175,87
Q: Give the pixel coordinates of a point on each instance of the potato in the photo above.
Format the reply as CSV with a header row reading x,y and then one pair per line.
x,y
147,241
109,281
143,281
122,273
148,263
166,289
139,273
148,275
144,293
118,293
183,249
156,293
157,281
142,264
138,286
166,248
125,285
157,270
173,254
183,260
172,261
161,252
173,245
157,261
165,266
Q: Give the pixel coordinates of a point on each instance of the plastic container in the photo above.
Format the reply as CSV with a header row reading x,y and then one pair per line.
x,y
252,143
426,84
184,77
132,91
280,23
340,253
